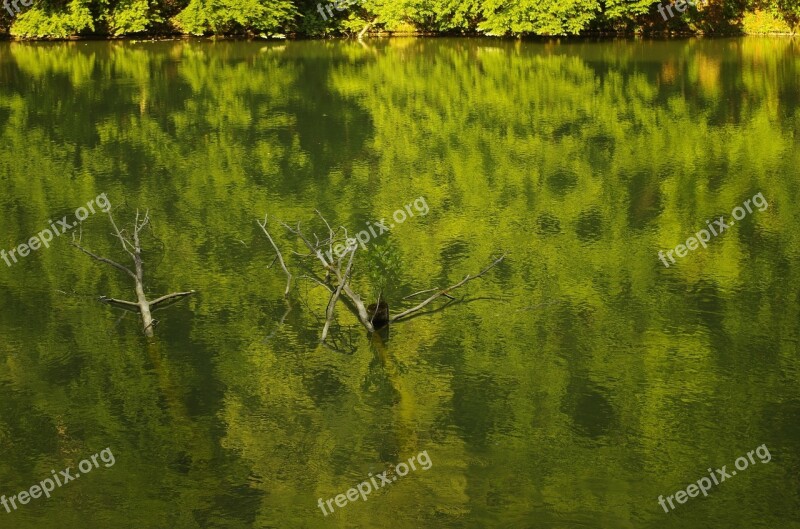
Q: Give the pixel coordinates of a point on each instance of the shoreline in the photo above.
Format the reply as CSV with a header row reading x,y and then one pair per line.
x,y
388,35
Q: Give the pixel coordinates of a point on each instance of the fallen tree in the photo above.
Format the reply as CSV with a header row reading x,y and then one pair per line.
x,y
335,255
132,246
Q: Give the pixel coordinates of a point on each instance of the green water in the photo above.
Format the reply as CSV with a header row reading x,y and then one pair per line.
x,y
575,383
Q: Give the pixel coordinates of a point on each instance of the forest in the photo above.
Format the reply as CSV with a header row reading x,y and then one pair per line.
x,y
61,19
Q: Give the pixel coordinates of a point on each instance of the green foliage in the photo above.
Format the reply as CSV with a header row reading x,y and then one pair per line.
x,y
457,15
49,19
56,19
762,22
133,16
547,17
425,15
616,9
787,10
626,16
235,16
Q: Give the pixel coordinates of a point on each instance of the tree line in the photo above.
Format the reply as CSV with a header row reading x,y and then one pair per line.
x,y
311,18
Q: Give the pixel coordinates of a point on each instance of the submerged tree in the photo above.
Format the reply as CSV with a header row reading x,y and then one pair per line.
x,y
133,248
336,254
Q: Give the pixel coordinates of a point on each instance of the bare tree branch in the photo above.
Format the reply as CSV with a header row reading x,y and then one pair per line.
x,y
280,323
342,289
134,249
127,305
441,293
118,234
330,230
279,255
154,304
361,309
425,291
365,29
104,260
335,295
317,281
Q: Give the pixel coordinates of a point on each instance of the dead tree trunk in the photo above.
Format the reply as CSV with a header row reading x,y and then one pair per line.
x,y
141,299
365,29
134,250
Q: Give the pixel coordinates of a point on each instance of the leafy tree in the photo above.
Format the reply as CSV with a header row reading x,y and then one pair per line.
x,y
235,16
133,16
50,19
542,17
60,19
427,15
789,10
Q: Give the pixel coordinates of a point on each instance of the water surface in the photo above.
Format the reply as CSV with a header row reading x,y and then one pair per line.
x,y
574,384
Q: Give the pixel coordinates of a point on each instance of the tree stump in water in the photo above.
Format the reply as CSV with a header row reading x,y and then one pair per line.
x,y
379,314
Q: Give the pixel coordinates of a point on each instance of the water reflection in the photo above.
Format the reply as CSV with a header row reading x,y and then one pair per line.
x,y
575,383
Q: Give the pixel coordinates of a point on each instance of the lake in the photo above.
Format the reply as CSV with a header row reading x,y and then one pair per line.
x,y
579,380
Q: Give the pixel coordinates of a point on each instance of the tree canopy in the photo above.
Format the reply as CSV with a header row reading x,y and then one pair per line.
x,y
308,18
